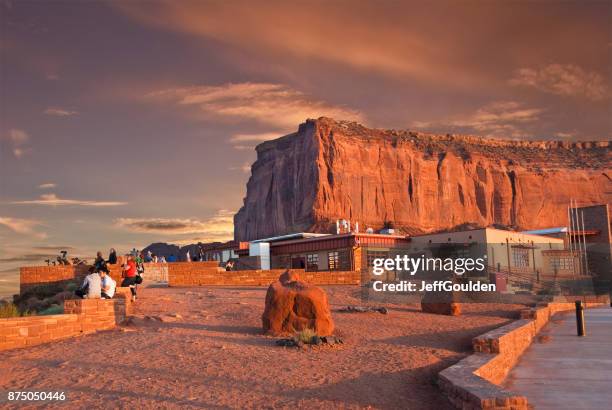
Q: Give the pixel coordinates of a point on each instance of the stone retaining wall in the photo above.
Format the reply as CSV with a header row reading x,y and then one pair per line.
x,y
80,316
181,274
473,382
185,274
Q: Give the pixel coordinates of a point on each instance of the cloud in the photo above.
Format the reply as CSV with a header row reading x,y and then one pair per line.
x,y
255,137
48,185
18,140
272,104
54,248
23,226
368,37
31,257
563,79
246,168
218,227
59,112
499,118
52,199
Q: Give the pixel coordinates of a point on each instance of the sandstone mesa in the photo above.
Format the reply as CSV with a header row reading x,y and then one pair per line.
x,y
330,170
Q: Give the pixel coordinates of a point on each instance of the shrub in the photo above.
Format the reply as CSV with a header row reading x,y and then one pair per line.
x,y
10,310
305,336
52,310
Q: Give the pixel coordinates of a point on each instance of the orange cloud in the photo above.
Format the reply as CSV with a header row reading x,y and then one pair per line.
x,y
23,226
54,200
271,104
218,227
499,118
324,31
559,79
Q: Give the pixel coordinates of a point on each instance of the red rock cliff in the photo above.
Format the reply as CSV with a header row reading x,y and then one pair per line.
x,y
331,170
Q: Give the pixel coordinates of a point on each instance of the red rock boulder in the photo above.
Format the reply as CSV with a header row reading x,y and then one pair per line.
x,y
441,303
450,308
292,306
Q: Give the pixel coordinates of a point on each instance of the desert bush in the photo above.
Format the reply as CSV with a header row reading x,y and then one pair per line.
x,y
52,310
305,336
71,287
61,297
11,310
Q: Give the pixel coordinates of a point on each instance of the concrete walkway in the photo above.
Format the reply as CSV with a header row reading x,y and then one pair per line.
x,y
567,371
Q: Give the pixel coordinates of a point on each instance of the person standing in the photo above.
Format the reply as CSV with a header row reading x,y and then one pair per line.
x,y
129,276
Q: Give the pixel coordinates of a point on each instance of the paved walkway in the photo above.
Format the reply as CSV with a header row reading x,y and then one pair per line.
x,y
568,372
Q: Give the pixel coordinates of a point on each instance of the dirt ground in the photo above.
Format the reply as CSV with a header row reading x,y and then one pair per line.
x,y
212,355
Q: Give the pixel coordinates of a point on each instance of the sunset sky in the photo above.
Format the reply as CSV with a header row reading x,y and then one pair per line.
x,y
126,123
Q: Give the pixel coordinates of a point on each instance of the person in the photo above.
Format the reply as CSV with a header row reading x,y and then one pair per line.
x,y
171,258
112,256
91,287
129,275
162,259
188,256
149,257
99,263
229,265
108,284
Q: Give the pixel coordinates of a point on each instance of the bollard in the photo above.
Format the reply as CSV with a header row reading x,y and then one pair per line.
x,y
580,318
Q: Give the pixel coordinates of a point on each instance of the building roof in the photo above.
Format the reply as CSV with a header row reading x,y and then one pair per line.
x,y
546,231
299,235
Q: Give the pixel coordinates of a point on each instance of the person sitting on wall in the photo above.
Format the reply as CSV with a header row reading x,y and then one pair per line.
x,y
108,284
112,256
229,265
91,287
99,263
171,258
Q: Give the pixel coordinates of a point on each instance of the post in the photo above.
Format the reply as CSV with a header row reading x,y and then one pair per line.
x,y
580,318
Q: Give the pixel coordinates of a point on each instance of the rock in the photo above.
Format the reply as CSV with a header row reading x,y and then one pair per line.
x,y
292,306
442,308
442,303
364,309
330,169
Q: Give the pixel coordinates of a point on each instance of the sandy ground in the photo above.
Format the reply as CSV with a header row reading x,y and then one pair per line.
x,y
214,356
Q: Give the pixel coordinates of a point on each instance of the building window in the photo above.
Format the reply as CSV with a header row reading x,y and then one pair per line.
x,y
333,260
520,257
562,263
312,262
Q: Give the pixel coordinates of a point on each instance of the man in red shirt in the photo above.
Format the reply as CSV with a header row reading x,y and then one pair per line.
x,y
129,276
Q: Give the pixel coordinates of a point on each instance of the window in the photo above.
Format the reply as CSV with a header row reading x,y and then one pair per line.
x,y
312,262
562,263
333,260
520,257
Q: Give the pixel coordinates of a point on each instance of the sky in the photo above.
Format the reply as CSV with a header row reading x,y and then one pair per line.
x,y
126,123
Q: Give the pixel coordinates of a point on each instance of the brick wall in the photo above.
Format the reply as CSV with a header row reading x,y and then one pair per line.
x,y
81,317
473,382
190,274
33,276
36,276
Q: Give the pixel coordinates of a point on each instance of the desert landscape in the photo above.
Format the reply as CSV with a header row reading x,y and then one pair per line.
x,y
204,348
